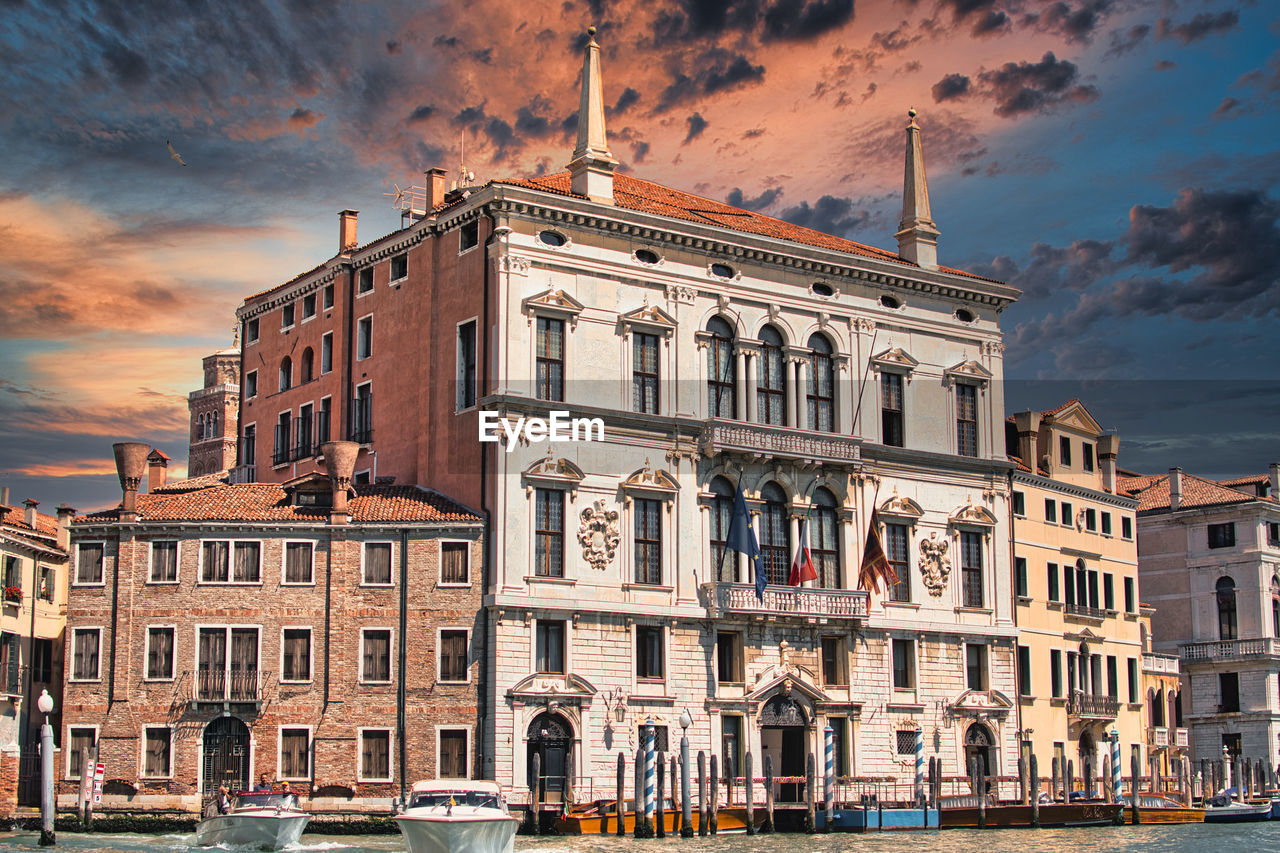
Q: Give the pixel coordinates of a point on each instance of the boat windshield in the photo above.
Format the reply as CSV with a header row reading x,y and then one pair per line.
x,y
478,799
266,800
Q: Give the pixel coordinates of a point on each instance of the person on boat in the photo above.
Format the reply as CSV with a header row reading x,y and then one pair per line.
x,y
287,793
224,799
263,784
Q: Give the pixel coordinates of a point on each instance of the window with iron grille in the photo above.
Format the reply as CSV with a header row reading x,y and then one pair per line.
x,y
295,754
377,563
549,650
659,738
906,742
362,415
649,653
821,395
89,560
299,562
452,763
375,754
966,419
280,450
728,657
648,530
453,563
164,561
722,372
550,359
296,664
891,409
159,740
644,373
375,655
971,568
895,548
453,655
549,533
160,653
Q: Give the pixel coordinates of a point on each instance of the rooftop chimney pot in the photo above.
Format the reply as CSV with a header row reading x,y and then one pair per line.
x,y
1275,480
347,230
1175,488
340,463
131,465
436,180
65,514
30,517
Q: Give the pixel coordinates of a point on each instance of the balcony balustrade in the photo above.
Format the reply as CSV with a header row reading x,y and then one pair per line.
x,y
820,605
238,685
1160,664
778,442
1084,611
1086,706
1182,738
1229,649
1157,737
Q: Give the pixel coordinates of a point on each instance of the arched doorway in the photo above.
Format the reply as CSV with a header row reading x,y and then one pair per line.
x,y
1088,760
551,739
782,728
226,753
978,743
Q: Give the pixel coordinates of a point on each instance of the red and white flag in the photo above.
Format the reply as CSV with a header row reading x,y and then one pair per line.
x,y
802,565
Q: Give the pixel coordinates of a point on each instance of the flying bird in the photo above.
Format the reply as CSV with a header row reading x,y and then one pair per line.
x,y
174,154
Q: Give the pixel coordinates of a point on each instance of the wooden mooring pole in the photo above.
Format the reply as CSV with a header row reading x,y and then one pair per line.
x,y
714,805
768,795
1035,792
751,824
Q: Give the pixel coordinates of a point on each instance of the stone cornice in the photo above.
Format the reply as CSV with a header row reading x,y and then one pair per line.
x,y
1075,491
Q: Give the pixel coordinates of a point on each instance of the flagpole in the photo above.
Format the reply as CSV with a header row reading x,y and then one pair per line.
x,y
866,372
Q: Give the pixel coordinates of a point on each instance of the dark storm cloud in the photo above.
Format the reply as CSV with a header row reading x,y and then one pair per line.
x,y
760,202
626,100
1201,26
1227,106
715,70
1123,42
421,113
393,48
1075,23
963,9
697,124
1027,87
639,151
1053,269
991,23
444,41
797,20
950,87
469,115
831,215
700,18
127,66
781,20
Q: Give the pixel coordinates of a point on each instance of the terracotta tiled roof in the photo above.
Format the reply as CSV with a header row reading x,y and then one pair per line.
x,y
1250,480
1131,483
1050,412
1022,466
191,484
268,502
16,517
1196,492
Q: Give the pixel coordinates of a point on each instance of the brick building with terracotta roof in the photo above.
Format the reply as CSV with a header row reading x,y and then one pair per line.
x,y
313,631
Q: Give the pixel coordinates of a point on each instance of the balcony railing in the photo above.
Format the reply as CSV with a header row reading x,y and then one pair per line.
x,y
777,442
238,685
1226,649
243,474
1157,737
1084,610
1090,707
1181,738
1166,664
724,599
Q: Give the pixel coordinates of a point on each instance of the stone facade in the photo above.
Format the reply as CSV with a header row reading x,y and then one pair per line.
x,y
215,415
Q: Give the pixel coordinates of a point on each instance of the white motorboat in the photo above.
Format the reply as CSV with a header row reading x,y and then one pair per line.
x,y
457,816
1223,809
266,820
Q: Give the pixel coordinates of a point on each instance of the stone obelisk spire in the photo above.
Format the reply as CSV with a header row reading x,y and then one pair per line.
x,y
591,169
917,235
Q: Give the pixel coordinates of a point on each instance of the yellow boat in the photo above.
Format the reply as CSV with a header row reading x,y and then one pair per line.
x,y
599,817
1159,808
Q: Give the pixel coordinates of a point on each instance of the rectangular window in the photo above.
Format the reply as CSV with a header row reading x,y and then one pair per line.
x,y
891,409
649,653
971,568
839,737
304,446
1231,742
295,754
454,567
1106,524
729,657
1093,589
324,419
42,660
453,655
328,296
364,338
731,744
227,671
80,741
377,563
85,645
1069,584
158,742
1129,598
296,663
251,384
375,655
10,663
164,561
362,415
251,331
549,647
466,357
1086,450
375,755
326,353
1134,694
215,566
1071,672
1273,533
399,266
286,316
1024,671
1052,575
452,762
1126,527
280,449
967,420
299,562
1055,673
550,359
1222,535
1229,691
1021,585
1050,511
1066,515
1108,591
644,373
976,666
905,742
648,527
1064,451
365,284
89,561
904,664
549,524
469,236
895,548
160,653
1020,504
1113,678
834,670
308,306
1091,520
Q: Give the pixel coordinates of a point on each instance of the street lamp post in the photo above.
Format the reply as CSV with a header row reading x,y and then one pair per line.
x,y
45,704
686,822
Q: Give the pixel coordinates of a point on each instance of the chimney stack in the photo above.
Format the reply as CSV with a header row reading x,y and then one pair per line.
x,y
65,514
30,517
131,464
347,230
1275,480
4,495
157,470
1028,426
436,180
1175,488
340,463
1108,450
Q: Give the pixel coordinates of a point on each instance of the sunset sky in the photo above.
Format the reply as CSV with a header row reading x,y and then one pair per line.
x,y
1117,160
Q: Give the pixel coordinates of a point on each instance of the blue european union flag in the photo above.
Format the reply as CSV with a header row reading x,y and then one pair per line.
x,y
742,538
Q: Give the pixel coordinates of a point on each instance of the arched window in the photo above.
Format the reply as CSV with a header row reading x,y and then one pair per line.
x,y
1226,609
724,565
1157,709
824,538
775,535
722,372
286,373
1275,606
307,367
1151,707
822,385
771,381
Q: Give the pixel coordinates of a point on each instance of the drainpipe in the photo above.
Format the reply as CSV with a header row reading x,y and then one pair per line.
x,y
1016,664
400,654
486,558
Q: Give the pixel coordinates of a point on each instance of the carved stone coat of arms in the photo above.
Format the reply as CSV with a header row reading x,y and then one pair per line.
x,y
598,535
935,565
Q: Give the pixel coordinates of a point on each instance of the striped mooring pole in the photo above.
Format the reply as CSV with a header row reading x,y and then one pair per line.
x,y
1115,766
919,763
829,779
650,771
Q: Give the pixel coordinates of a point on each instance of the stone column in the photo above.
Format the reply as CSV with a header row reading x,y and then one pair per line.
x,y
802,394
739,390
750,360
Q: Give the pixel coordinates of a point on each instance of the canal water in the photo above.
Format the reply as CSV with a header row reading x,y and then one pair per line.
x,y
1187,838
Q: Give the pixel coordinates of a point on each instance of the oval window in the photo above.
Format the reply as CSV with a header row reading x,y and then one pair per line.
x,y
823,289
889,302
645,256
964,315
552,238
722,270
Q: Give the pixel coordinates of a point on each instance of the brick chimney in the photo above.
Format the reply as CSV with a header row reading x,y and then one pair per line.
x,y
340,462
157,470
65,514
131,464
1175,488
1275,480
1027,425
347,230
30,517
4,495
435,188
1108,450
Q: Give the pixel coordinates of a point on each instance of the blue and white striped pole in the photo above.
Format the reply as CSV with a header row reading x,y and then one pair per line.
x,y
829,779
919,763
1115,766
650,773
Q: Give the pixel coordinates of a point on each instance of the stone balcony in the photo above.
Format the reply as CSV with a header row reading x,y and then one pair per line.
x,y
1157,737
762,441
1229,650
1159,664
818,606
1087,706
1181,738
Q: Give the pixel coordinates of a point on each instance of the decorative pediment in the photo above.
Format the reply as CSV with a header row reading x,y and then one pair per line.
x,y
650,318
545,686
895,358
651,480
1076,417
550,471
1085,636
900,507
787,685
976,703
971,513
553,303
967,371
